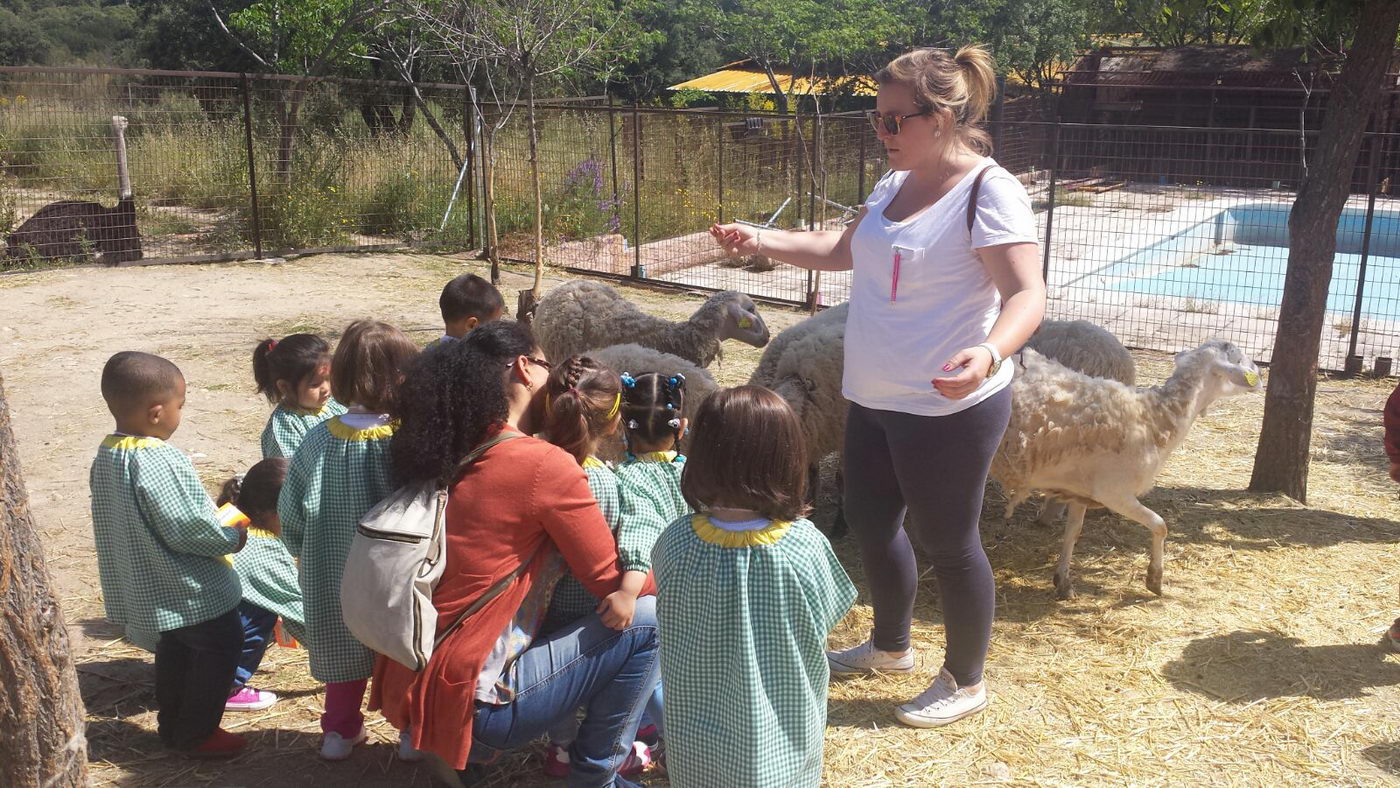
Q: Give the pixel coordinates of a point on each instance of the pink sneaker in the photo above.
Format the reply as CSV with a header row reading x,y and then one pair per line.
x,y
556,761
637,760
249,699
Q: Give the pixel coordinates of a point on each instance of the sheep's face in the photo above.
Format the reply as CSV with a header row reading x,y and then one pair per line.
x,y
743,322
1238,373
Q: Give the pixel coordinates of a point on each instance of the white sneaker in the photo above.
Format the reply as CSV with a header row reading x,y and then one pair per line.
x,y
407,752
865,658
943,702
335,747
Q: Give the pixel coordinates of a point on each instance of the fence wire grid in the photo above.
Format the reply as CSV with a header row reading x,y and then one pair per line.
x,y
1165,235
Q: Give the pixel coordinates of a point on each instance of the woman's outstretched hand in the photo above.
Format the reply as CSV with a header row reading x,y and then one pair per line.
x,y
737,239
970,365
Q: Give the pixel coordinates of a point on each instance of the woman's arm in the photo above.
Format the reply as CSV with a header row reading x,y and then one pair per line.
x,y
818,250
1015,269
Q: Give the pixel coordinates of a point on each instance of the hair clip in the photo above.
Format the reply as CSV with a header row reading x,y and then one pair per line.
x,y
271,345
674,424
617,406
628,380
677,381
632,424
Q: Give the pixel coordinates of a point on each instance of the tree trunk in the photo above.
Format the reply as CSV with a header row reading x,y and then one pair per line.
x,y
527,304
286,141
488,198
436,127
41,712
1281,461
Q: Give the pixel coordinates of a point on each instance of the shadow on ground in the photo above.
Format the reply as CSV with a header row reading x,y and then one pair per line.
x,y
1246,666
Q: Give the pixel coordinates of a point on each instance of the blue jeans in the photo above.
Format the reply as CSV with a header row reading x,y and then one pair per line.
x,y
258,623
610,673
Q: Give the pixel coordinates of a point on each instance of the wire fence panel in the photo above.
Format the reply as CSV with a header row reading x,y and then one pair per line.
x,y
1166,235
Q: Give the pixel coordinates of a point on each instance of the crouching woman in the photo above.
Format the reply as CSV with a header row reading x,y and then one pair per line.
x,y
490,686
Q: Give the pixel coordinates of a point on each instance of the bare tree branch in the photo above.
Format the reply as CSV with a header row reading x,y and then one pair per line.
x,y
236,40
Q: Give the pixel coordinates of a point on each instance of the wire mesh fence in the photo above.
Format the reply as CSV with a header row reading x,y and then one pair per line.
x,y
1167,235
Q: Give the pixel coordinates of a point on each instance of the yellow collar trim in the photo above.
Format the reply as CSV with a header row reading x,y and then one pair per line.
x,y
656,456
254,531
593,462
709,532
300,411
341,430
130,442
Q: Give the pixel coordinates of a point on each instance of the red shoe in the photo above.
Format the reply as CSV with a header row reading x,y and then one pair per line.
x,y
220,744
1393,636
637,760
556,761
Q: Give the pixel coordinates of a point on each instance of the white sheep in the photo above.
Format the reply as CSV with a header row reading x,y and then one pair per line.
x,y
1095,442
1088,348
581,315
804,364
638,360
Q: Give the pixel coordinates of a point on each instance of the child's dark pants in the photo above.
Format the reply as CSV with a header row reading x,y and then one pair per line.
x,y
194,670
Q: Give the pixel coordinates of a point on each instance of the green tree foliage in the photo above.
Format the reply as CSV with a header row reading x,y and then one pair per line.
x,y
1193,22
67,32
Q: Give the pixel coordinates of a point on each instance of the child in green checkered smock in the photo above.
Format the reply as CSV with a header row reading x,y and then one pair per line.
x,y
342,470
583,405
162,554
747,592
295,374
271,590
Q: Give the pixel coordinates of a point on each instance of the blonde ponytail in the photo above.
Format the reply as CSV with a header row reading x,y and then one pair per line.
x,y
964,84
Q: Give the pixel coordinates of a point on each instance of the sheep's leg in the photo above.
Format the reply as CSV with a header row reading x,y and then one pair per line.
x,y
1131,508
1064,589
1051,511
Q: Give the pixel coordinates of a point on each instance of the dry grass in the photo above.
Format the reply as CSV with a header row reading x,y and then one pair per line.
x,y
1258,666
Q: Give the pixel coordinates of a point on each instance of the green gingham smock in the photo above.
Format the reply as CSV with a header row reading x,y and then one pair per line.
x,y
649,487
337,475
287,427
160,547
743,618
269,576
571,600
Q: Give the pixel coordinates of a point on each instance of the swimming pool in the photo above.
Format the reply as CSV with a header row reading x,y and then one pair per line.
x,y
1240,255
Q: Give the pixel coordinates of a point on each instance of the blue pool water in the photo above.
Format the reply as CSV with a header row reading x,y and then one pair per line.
x,y
1240,255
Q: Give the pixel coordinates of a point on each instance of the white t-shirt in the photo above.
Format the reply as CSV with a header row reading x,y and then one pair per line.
x,y
903,328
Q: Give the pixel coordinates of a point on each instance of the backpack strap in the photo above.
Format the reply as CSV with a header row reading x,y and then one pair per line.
x,y
490,594
476,454
972,198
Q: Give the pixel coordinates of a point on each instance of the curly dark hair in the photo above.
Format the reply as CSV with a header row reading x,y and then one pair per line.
x,y
453,395
584,400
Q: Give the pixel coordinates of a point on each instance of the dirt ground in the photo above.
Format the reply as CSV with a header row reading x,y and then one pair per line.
x,y
1260,665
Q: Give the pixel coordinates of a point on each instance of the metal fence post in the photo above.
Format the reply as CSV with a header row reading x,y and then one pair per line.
x,y
252,165
638,272
612,148
720,125
1050,205
1371,187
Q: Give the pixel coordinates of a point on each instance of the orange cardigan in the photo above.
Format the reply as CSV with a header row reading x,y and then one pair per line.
x,y
516,496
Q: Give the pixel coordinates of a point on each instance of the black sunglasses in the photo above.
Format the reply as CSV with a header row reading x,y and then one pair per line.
x,y
892,122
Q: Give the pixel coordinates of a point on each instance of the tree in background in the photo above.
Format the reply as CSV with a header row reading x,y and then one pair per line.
x,y
67,32
1193,22
41,712
523,46
1281,461
308,38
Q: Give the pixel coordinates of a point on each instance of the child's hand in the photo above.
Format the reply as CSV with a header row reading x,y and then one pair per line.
x,y
242,536
616,610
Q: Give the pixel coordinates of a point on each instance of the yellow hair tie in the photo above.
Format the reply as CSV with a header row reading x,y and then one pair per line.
x,y
617,406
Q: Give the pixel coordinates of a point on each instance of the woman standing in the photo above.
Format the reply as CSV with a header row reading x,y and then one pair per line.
x,y
511,516
945,283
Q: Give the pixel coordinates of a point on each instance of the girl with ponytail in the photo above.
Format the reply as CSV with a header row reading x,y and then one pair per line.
x,y
294,373
945,283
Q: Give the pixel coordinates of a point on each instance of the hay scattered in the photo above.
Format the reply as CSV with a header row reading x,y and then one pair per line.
x,y
1260,665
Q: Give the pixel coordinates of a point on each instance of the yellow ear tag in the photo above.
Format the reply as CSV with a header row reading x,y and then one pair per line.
x,y
1251,378
746,322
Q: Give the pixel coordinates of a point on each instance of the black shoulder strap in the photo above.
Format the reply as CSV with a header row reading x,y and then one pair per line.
x,y
972,198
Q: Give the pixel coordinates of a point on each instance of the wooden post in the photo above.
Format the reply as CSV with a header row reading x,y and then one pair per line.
x,y
41,711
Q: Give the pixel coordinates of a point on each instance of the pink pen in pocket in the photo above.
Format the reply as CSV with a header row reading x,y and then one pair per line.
x,y
900,253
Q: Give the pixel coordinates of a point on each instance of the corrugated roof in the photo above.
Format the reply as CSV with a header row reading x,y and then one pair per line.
x,y
744,77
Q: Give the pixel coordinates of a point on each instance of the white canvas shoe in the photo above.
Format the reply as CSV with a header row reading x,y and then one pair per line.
x,y
943,702
865,658
335,747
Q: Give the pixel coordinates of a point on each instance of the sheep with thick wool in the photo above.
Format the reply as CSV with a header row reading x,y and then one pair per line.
x,y
582,315
1099,443
1083,347
637,361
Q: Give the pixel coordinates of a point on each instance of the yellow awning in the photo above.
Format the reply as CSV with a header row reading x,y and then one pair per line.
x,y
742,77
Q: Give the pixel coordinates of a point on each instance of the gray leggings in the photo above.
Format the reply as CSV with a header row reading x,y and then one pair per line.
x,y
935,467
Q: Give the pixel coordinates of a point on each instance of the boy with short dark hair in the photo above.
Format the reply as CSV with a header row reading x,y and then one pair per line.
x,y
162,554
467,302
